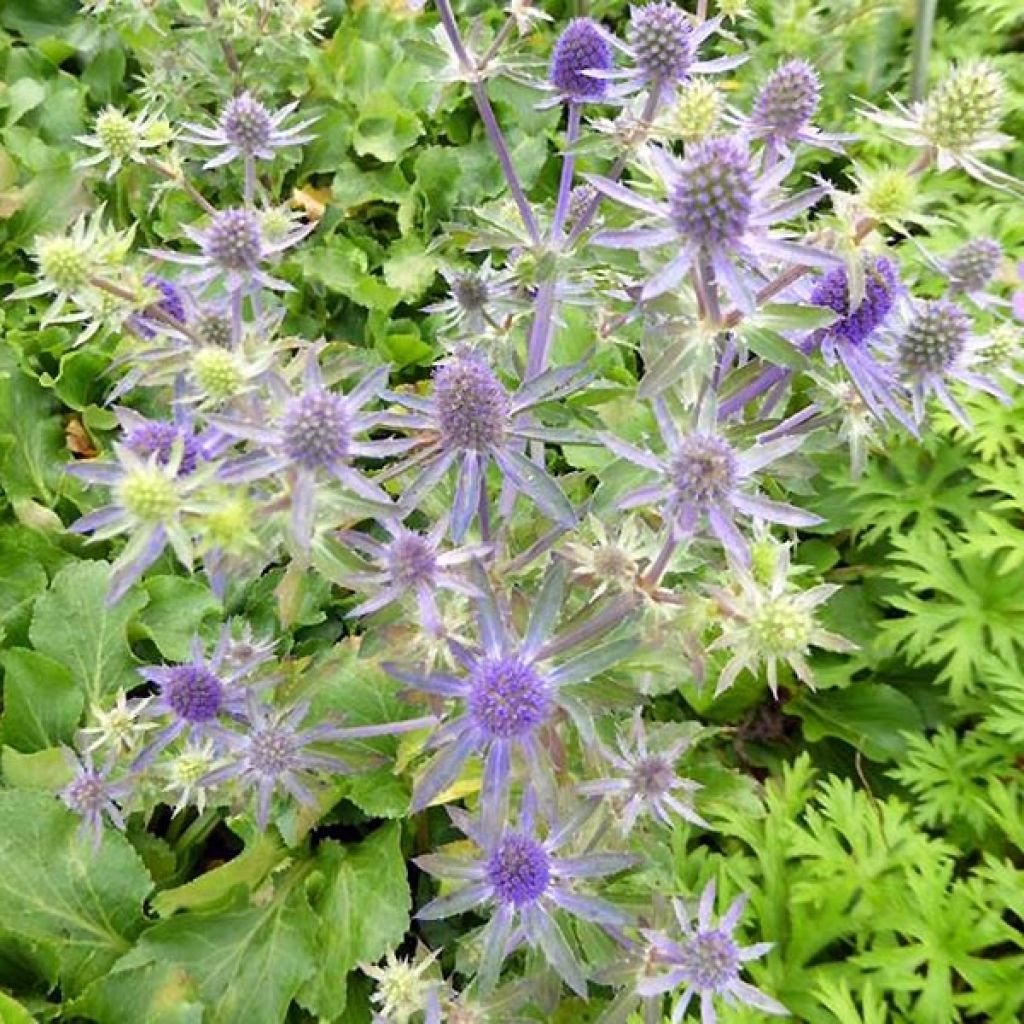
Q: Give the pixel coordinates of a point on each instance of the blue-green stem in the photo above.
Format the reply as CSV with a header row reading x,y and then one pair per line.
x,y
924,27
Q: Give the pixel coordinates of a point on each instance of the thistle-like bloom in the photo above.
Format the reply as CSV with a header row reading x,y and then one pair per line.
x,y
646,782
611,560
316,433
934,345
470,421
120,727
94,796
662,46
527,881
973,266
197,696
121,139
404,990
232,247
247,130
477,298
151,500
162,438
784,107
511,689
766,623
717,216
170,302
957,121
277,752
68,263
850,340
706,961
410,563
583,47
695,113
184,774
703,477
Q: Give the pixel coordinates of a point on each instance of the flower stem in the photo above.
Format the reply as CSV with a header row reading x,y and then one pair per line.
x,y
491,126
924,26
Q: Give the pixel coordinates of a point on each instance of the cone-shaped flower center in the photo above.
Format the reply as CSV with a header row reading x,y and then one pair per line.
x,y
246,124
317,429
652,776
272,750
233,240
660,36
116,133
934,338
788,99
781,628
711,199
581,47
472,405
711,960
974,264
881,285
703,470
411,560
86,793
194,693
157,438
964,107
148,494
508,699
519,870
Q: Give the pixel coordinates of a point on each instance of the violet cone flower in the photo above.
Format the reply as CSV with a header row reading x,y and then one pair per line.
x,y
662,47
316,433
934,345
703,477
476,298
151,501
198,696
171,302
716,219
248,130
94,796
973,266
527,880
851,338
645,781
146,437
232,248
583,47
511,688
706,962
410,563
784,107
277,752
470,421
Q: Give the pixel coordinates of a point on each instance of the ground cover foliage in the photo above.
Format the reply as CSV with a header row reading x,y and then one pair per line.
x,y
453,573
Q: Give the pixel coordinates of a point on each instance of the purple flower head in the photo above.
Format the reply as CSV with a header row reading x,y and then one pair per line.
x,y
248,130
410,563
703,477
646,779
509,689
94,796
787,101
583,46
974,265
213,327
711,197
716,220
472,420
171,303
198,697
932,346
478,297
706,961
661,39
158,438
529,882
233,241
317,432
881,289
278,752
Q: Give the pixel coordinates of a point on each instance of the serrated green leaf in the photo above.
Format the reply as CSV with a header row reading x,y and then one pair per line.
x,y
62,893
42,703
176,610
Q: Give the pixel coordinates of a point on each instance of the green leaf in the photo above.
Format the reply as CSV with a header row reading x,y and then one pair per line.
x,y
22,580
42,704
774,348
47,769
12,1012
869,716
20,97
176,610
351,881
791,316
384,129
247,962
158,994
73,625
85,903
409,268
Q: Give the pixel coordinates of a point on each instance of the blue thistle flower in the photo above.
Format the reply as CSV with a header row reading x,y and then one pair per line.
x,y
973,266
717,216
706,961
703,477
171,303
248,130
528,881
472,420
510,689
94,796
582,47
159,438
